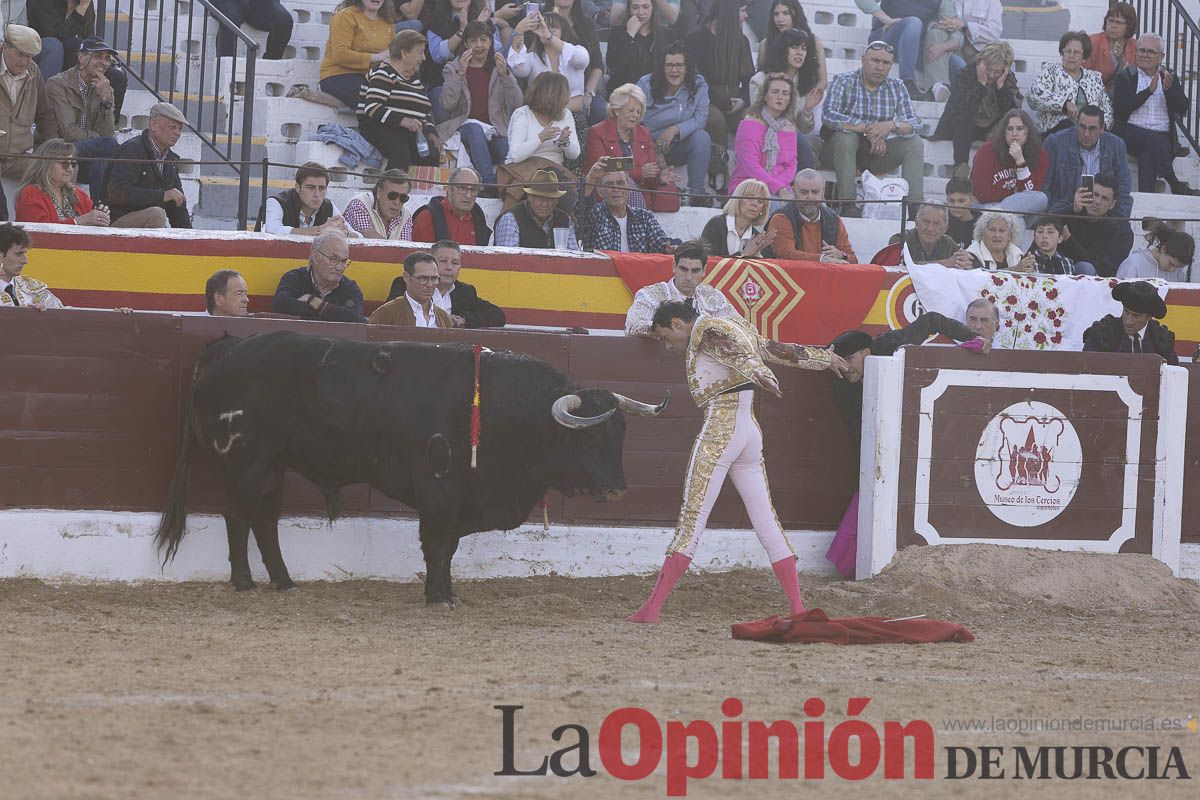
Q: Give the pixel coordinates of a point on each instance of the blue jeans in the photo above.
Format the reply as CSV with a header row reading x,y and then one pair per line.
x,y
1085,268
695,151
95,173
50,60
344,88
409,25
484,154
805,158
599,110
905,36
439,113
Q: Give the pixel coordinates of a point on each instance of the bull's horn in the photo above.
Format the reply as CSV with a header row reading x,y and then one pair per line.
x,y
639,409
563,407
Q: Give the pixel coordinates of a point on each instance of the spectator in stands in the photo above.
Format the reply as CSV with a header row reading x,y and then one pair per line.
x,y
789,57
543,42
479,95
1088,149
1113,48
1064,88
623,136
1047,236
456,216
983,318
979,97
541,136
458,299
17,289
263,15
869,117
903,35
686,286
143,184
82,100
50,193
531,223
1134,331
721,53
320,290
304,210
382,213
446,31
64,25
394,108
226,294
1146,98
636,44
995,245
359,34
1167,255
24,105
765,148
786,15
587,36
808,230
670,10
944,42
960,203
738,230
612,225
1096,236
927,241
676,115
415,308
1010,169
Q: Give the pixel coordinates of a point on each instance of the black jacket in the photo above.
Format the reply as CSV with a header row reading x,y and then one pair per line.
x,y
1102,242
343,304
1127,99
966,97
1107,335
465,302
49,18
133,186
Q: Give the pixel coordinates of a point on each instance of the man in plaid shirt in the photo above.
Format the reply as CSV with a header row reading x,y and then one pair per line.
x,y
614,226
868,119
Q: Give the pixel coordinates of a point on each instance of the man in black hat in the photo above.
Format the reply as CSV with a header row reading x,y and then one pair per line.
x,y
1137,330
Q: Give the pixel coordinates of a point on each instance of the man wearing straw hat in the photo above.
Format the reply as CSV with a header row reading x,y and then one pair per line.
x,y
532,222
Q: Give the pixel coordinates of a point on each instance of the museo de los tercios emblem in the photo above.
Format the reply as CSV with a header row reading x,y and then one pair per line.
x,y
1027,464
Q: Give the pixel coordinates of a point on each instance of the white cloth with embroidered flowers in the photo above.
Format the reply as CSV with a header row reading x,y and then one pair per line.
x,y
1037,312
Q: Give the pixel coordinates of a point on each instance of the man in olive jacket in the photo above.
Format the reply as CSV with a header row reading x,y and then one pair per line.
x,y
82,100
26,118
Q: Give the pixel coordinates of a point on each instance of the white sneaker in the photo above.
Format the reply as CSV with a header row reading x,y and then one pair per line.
x,y
941,92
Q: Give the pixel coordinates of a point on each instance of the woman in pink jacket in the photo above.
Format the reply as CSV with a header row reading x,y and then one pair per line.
x,y
766,139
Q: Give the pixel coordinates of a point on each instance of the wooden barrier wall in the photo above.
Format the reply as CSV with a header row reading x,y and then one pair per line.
x,y
91,408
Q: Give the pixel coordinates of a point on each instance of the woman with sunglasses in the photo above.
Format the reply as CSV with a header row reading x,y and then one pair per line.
x,y
50,193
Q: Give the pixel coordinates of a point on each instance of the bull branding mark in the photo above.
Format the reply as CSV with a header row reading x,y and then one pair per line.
x,y
228,418
325,362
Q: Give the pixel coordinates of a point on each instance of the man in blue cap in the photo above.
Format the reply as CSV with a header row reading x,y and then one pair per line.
x,y
83,99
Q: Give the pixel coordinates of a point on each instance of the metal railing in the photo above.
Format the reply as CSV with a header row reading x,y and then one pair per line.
x,y
1181,40
164,53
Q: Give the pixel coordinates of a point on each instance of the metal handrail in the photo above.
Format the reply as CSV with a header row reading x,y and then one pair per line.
x,y
1181,40
208,134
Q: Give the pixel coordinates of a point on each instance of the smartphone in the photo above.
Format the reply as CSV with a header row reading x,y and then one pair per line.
x,y
532,9
1089,182
618,164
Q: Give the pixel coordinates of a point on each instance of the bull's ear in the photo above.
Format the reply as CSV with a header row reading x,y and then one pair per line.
x,y
637,408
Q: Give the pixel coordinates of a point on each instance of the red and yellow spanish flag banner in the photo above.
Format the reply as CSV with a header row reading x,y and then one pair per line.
x,y
790,301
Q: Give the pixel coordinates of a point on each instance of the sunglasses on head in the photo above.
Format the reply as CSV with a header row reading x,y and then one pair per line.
x,y
878,45
402,196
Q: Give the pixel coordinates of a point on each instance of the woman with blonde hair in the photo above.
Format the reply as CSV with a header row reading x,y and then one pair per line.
x,y
623,135
995,245
50,193
738,230
979,97
765,145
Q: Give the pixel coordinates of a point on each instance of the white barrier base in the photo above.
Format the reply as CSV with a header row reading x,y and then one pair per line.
x,y
113,546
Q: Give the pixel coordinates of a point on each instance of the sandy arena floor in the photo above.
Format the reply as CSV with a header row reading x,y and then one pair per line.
x,y
354,690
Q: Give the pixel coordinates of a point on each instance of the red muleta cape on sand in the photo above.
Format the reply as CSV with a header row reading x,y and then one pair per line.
x,y
815,625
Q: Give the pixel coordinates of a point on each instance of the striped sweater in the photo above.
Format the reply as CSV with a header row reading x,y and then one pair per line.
x,y
387,97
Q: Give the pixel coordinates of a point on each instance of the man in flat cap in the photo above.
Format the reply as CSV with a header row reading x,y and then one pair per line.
x,y
24,103
1137,330
82,99
144,190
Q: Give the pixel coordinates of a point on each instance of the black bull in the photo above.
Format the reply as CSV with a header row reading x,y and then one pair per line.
x,y
396,416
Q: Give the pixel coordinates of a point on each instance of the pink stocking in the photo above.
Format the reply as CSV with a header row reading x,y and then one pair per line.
x,y
785,571
675,565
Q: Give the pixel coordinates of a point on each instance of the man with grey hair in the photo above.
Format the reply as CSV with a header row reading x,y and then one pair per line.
x,y
24,103
808,230
320,290
144,190
1146,99
456,216
983,318
928,243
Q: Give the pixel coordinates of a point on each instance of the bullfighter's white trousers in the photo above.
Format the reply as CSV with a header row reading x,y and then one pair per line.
x,y
730,443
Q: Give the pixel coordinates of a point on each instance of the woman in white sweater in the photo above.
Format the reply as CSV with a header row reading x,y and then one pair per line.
x,y
543,128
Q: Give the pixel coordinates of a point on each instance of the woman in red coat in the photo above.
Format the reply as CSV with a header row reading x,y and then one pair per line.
x,y
623,135
1113,48
50,193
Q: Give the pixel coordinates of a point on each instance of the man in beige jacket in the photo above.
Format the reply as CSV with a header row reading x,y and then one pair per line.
x,y
82,101
415,308
26,118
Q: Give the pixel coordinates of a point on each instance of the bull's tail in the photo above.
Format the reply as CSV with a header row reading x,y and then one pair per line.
x,y
172,525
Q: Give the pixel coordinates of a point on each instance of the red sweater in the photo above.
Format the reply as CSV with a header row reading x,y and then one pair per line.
x,y
34,205
992,183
